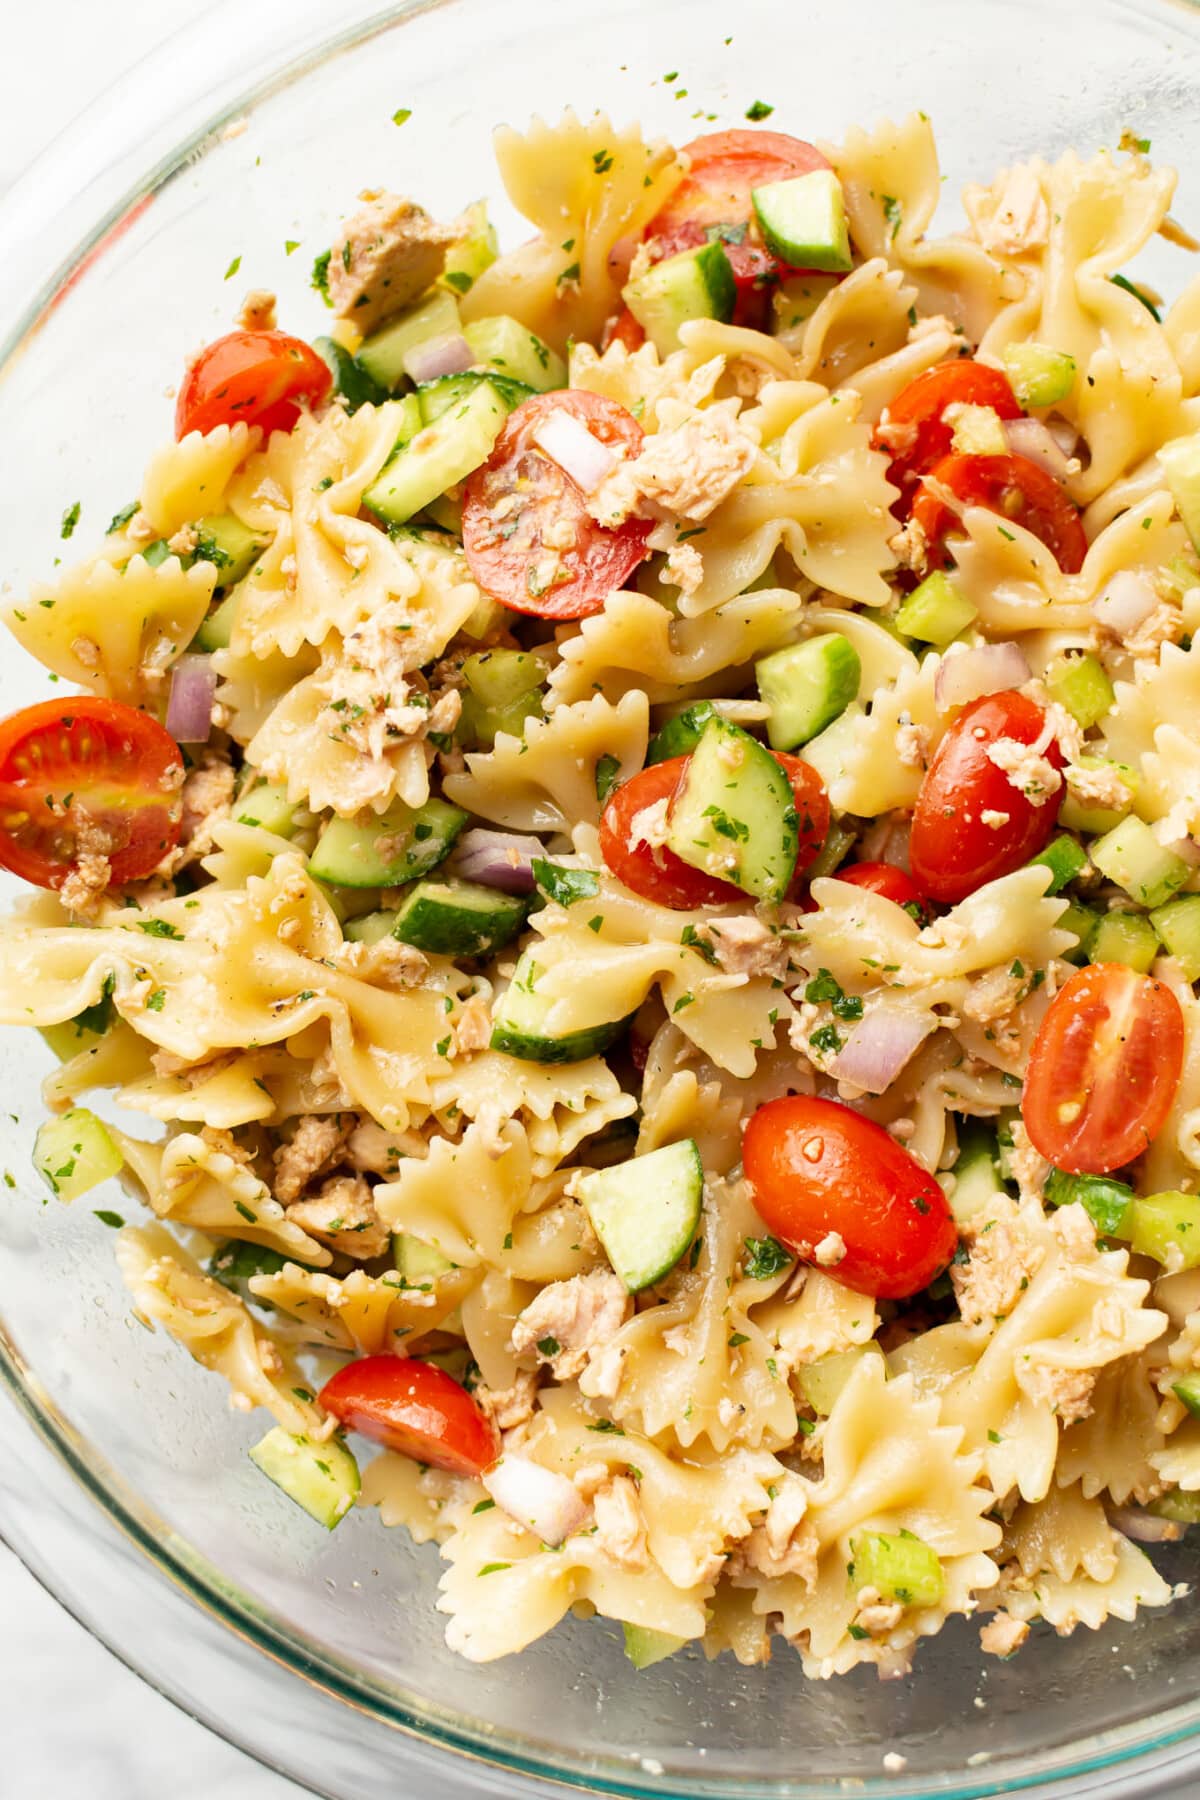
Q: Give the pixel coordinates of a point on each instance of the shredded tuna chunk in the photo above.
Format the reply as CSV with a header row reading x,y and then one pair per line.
x,y
258,311
684,568
1067,1392
877,1616
686,471
1002,1635
1014,217
316,1146
371,1150
912,744
1029,1167
1001,1263
384,256
342,1215
620,1527
508,1408
473,1026
388,963
1027,769
576,1316
86,886
1101,786
784,1544
745,946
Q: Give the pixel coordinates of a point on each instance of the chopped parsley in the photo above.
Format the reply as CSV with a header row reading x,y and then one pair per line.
x,y
893,213
602,162
737,1338
565,885
491,1568
607,1425
233,268
320,275
109,1218
764,1257
482,1506
549,1346
159,928
1123,281
120,519
608,768
157,1000
691,938
827,1038
402,115
70,519
759,110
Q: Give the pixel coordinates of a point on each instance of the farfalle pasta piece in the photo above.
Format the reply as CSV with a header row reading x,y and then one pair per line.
x,y
561,1104
545,780
1064,1534
373,1315
1114,1450
1085,1601
187,480
875,762
463,1197
426,1502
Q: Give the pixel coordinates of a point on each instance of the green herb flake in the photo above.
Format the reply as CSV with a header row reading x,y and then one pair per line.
x,y
120,519
737,1338
70,519
893,212
549,1346
320,275
402,115
233,268
608,768
157,1000
827,1039
759,110
492,1568
481,1506
764,1257
289,245
159,928
565,885
251,1218
607,1425
106,1217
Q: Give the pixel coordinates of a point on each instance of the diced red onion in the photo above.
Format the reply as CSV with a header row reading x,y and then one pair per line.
x,y
1144,1527
880,1046
448,355
1034,441
569,443
190,705
542,1500
966,675
1126,603
499,859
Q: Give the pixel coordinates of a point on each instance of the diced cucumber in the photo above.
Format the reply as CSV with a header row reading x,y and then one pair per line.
x,y
230,546
478,725
438,457
519,1023
803,221
696,284
458,918
438,396
472,253
382,354
74,1153
386,851
234,1262
1127,938
267,805
1095,820
155,553
216,630
680,734
446,514
839,842
1178,577
807,686
935,611
1180,463
356,386
504,344
1081,685
1065,857
977,1178
1167,1227
322,1478
504,688
1040,376
1083,921
829,753
645,1647
1183,1509
734,813
1178,925
369,928
1132,856
901,1567
1108,1203
419,1264
69,1038
823,1380
645,1211
1187,1389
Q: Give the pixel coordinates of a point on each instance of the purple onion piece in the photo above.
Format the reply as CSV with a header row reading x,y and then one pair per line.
x,y
499,859
448,355
190,705
966,675
880,1046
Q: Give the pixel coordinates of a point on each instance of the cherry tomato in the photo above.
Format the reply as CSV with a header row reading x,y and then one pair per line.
x,y
1104,1069
892,883
1011,486
655,873
912,430
623,328
86,776
416,1408
815,1168
953,849
258,376
519,493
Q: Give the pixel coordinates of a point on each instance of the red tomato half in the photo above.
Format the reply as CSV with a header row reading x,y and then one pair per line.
x,y
892,883
258,376
1104,1069
416,1408
816,1167
953,849
1011,486
623,328
912,430
657,874
519,493
67,765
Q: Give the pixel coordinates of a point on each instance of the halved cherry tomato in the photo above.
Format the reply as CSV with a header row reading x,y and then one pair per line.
x,y
519,493
1104,1069
258,376
892,883
913,431
86,776
655,873
1011,486
953,849
623,328
416,1408
816,1168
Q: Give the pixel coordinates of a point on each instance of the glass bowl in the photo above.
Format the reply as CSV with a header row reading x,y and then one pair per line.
x,y
125,1483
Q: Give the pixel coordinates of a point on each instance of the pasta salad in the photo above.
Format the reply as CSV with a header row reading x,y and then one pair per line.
x,y
631,829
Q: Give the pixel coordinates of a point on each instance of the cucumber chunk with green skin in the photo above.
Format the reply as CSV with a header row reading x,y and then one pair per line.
x,y
1181,1508
1167,1227
1180,463
74,1153
900,1566
1065,857
1081,684
935,612
803,220
1127,938
268,806
645,1647
369,928
1083,922
645,1211
438,457
734,813
1178,925
504,344
504,688
231,547
823,1380
680,735
458,918
438,396
472,253
837,846
519,1023
1108,1203
696,284
216,630
387,851
807,686
382,354
69,1038
1132,856
322,1478
350,379
418,1264
1094,821
1040,376
977,1178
